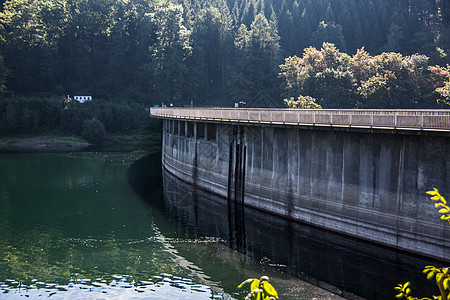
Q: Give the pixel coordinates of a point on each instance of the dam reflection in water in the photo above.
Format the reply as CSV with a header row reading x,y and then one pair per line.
x,y
326,259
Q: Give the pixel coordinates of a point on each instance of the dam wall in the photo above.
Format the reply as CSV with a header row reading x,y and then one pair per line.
x,y
368,184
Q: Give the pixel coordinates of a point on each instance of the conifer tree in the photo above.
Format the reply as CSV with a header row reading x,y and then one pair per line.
x,y
254,78
210,34
328,33
167,69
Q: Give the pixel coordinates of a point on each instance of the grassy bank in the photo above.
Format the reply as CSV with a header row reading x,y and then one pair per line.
x,y
42,141
51,141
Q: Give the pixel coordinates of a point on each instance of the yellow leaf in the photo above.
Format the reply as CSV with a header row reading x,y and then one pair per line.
x,y
254,285
246,281
435,198
433,192
408,291
443,210
258,296
269,289
446,283
430,275
399,296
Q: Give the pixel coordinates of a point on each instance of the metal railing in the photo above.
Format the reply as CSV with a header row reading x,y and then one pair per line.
x,y
432,120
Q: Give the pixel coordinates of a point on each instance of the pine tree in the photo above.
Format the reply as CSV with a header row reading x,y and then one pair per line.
x,y
328,33
393,39
209,51
167,69
254,79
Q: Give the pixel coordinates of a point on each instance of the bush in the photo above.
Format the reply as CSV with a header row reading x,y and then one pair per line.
x,y
93,131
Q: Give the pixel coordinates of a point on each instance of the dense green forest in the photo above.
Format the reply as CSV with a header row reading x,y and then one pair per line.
x,y
342,53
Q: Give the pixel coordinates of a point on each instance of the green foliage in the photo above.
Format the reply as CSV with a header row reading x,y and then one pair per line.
x,y
167,69
328,33
444,92
93,131
322,74
3,73
441,275
442,278
254,78
208,64
204,50
387,80
21,115
304,102
260,289
441,202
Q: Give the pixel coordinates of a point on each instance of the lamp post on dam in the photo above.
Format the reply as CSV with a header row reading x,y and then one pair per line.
x,y
362,173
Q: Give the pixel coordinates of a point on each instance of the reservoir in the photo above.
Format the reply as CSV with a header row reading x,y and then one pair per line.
x,y
111,224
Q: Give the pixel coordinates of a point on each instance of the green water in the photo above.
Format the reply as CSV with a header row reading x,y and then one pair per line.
x,y
75,225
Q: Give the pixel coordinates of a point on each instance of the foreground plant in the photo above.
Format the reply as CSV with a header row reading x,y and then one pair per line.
x,y
303,102
441,275
441,202
260,289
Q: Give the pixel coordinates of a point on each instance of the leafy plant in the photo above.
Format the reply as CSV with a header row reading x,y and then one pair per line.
x,y
441,275
441,202
304,102
93,131
260,289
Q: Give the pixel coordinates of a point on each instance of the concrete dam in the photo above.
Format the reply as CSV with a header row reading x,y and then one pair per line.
x,y
362,173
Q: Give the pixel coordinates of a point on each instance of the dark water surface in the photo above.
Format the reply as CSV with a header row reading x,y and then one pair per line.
x,y
346,266
111,225
93,225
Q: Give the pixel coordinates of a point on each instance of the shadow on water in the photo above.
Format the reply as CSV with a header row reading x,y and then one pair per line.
x,y
343,265
145,177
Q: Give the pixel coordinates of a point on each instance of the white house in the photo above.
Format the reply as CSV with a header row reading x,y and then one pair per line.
x,y
83,97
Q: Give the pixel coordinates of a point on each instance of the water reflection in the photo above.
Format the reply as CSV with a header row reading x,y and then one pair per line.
x,y
71,224
344,265
76,223
163,286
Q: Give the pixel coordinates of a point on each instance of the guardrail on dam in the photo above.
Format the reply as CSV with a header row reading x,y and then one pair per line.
x,y
363,173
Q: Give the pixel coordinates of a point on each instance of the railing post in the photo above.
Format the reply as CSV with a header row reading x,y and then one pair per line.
x,y
421,120
395,119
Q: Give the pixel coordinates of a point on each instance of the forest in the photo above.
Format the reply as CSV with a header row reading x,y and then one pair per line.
x,y
339,53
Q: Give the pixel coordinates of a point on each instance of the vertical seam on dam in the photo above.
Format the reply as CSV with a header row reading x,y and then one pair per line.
x,y
399,186
236,190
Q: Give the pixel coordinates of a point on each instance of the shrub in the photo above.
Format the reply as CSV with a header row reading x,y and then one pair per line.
x,y
441,275
93,131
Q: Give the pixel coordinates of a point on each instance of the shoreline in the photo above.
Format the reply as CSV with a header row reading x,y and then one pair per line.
x,y
44,142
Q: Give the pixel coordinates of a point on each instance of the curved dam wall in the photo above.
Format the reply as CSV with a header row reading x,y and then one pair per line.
x,y
367,184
